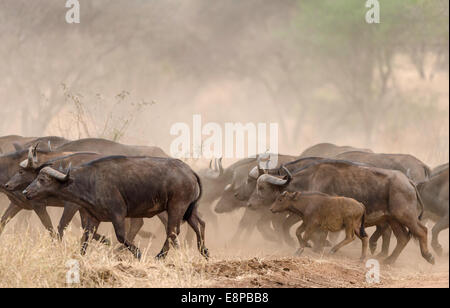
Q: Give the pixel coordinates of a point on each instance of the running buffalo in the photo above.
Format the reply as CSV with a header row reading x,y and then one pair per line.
x,y
116,187
389,196
434,193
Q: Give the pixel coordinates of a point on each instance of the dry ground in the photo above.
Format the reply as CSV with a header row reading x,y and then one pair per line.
x,y
30,258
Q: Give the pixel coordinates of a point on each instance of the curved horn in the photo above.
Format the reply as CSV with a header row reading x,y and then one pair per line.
x,y
288,174
30,157
58,175
273,180
277,181
35,159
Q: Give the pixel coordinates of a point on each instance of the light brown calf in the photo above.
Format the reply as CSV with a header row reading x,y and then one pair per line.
x,y
321,212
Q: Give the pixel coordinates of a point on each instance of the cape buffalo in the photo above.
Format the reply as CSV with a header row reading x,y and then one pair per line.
x,y
389,196
405,163
261,219
329,150
115,187
14,143
321,211
412,167
7,143
29,171
9,165
434,193
107,147
243,192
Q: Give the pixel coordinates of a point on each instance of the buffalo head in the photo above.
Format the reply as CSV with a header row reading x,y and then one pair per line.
x,y
48,182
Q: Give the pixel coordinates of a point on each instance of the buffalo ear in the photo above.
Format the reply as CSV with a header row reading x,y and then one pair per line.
x,y
297,194
17,147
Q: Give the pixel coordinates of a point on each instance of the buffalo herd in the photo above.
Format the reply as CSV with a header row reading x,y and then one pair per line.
x,y
327,189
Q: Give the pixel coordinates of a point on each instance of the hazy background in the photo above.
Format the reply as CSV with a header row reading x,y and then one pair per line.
x,y
132,68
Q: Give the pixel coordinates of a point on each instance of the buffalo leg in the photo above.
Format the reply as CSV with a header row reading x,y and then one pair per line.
x,y
349,237
386,238
198,225
90,226
403,238
419,231
442,224
10,212
173,222
133,225
246,225
265,229
364,242
70,210
301,242
307,235
42,213
119,228
384,231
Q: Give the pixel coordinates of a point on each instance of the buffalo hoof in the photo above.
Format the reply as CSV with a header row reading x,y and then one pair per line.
x,y
161,256
299,252
105,241
138,255
430,259
205,253
332,251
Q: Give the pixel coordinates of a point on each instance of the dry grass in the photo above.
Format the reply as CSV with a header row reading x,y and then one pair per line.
x,y
36,260
33,259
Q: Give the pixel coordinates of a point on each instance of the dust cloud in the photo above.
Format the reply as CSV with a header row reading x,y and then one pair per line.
x,y
131,69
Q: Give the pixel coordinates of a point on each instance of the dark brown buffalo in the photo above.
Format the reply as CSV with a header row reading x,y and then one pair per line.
x,y
19,202
263,220
29,171
321,212
116,187
409,165
7,143
15,143
329,150
218,183
9,165
107,147
434,193
243,192
389,196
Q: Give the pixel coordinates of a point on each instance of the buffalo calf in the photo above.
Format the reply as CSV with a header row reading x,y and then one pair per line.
x,y
321,212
